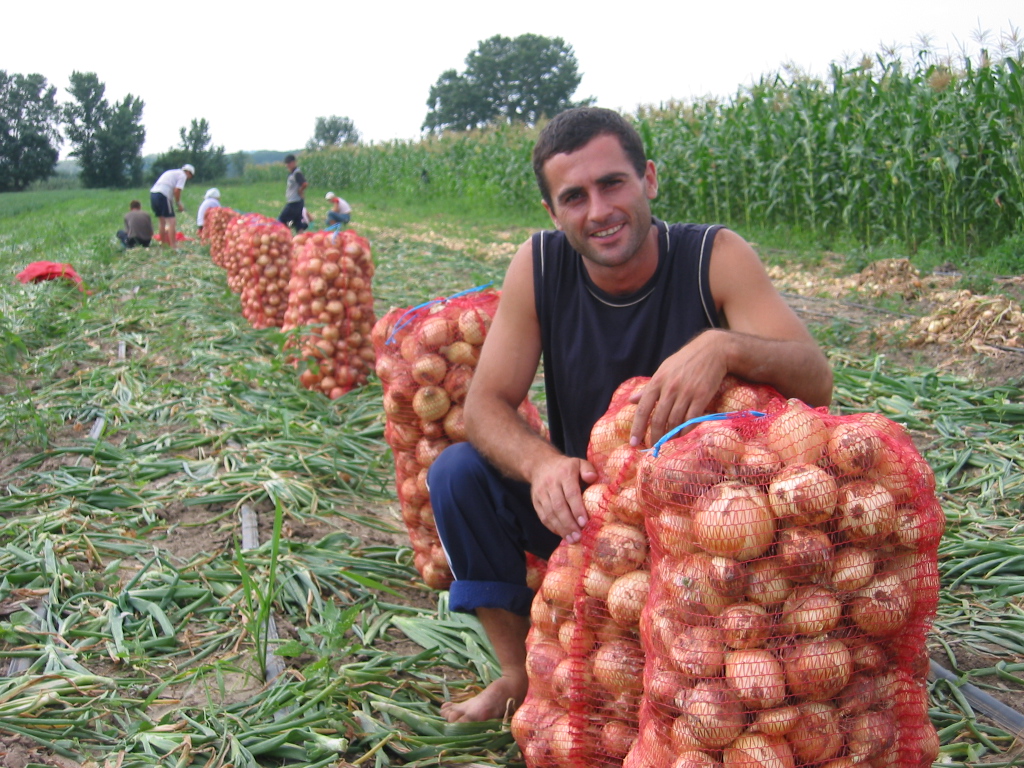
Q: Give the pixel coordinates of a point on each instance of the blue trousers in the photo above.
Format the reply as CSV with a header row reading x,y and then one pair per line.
x,y
486,523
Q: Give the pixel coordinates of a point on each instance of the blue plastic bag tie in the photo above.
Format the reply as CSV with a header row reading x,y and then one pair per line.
x,y
709,417
403,321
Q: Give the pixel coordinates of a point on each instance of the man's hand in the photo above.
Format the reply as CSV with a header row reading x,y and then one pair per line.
x,y
181,208
557,497
682,386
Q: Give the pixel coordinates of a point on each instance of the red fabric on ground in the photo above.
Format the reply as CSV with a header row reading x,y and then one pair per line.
x,y
49,270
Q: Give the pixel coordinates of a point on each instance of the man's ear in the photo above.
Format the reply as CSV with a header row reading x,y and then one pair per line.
x,y
551,213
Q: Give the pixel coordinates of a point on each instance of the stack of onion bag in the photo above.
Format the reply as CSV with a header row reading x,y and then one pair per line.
x,y
426,356
331,291
585,658
793,579
265,288
215,228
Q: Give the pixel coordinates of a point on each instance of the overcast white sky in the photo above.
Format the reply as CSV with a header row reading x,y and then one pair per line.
x,y
261,73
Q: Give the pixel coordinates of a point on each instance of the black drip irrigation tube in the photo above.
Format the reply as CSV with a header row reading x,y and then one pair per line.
x,y
1007,717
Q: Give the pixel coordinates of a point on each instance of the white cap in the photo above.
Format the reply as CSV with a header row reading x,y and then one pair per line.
x,y
188,167
330,196
213,192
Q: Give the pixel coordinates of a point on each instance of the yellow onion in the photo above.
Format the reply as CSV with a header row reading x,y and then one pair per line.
x,y
616,739
605,436
688,585
758,750
596,582
473,325
694,758
816,735
559,586
462,353
734,520
797,434
767,585
626,506
756,677
883,606
681,735
868,657
775,722
627,596
866,512
811,610
713,712
718,442
619,666
918,530
854,447
818,669
678,475
541,660
575,637
429,369
869,734
745,625
673,533
757,465
663,685
620,466
804,554
595,500
572,680
698,652
858,696
619,548
803,494
661,626
431,403
895,471
544,617
852,568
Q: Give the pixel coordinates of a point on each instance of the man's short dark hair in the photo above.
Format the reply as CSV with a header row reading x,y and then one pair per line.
x,y
574,128
134,204
289,159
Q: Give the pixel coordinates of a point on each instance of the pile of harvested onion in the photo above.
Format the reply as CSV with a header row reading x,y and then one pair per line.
x,y
425,358
331,292
215,227
265,288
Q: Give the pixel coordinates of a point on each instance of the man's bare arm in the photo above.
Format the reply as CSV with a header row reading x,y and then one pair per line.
x,y
507,366
763,341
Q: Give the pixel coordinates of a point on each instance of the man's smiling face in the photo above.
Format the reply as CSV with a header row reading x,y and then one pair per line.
x,y
600,202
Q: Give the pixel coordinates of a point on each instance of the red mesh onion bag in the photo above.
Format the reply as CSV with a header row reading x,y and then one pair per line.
x,y
265,287
330,296
793,580
425,358
238,254
585,657
215,226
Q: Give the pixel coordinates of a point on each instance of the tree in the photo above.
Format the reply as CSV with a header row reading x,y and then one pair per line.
x,y
506,80
107,139
29,133
237,163
196,148
331,132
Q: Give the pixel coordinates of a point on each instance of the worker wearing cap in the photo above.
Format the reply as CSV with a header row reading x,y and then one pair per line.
x,y
165,195
210,200
340,213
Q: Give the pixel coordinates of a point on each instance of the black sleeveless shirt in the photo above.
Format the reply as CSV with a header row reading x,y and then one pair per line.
x,y
593,341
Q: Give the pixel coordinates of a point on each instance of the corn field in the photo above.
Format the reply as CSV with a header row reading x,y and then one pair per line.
x,y
916,152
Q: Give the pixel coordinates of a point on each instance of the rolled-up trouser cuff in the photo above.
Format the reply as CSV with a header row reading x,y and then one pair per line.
x,y
467,596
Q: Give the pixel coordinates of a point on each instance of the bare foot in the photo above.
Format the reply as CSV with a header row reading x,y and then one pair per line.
x,y
494,702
